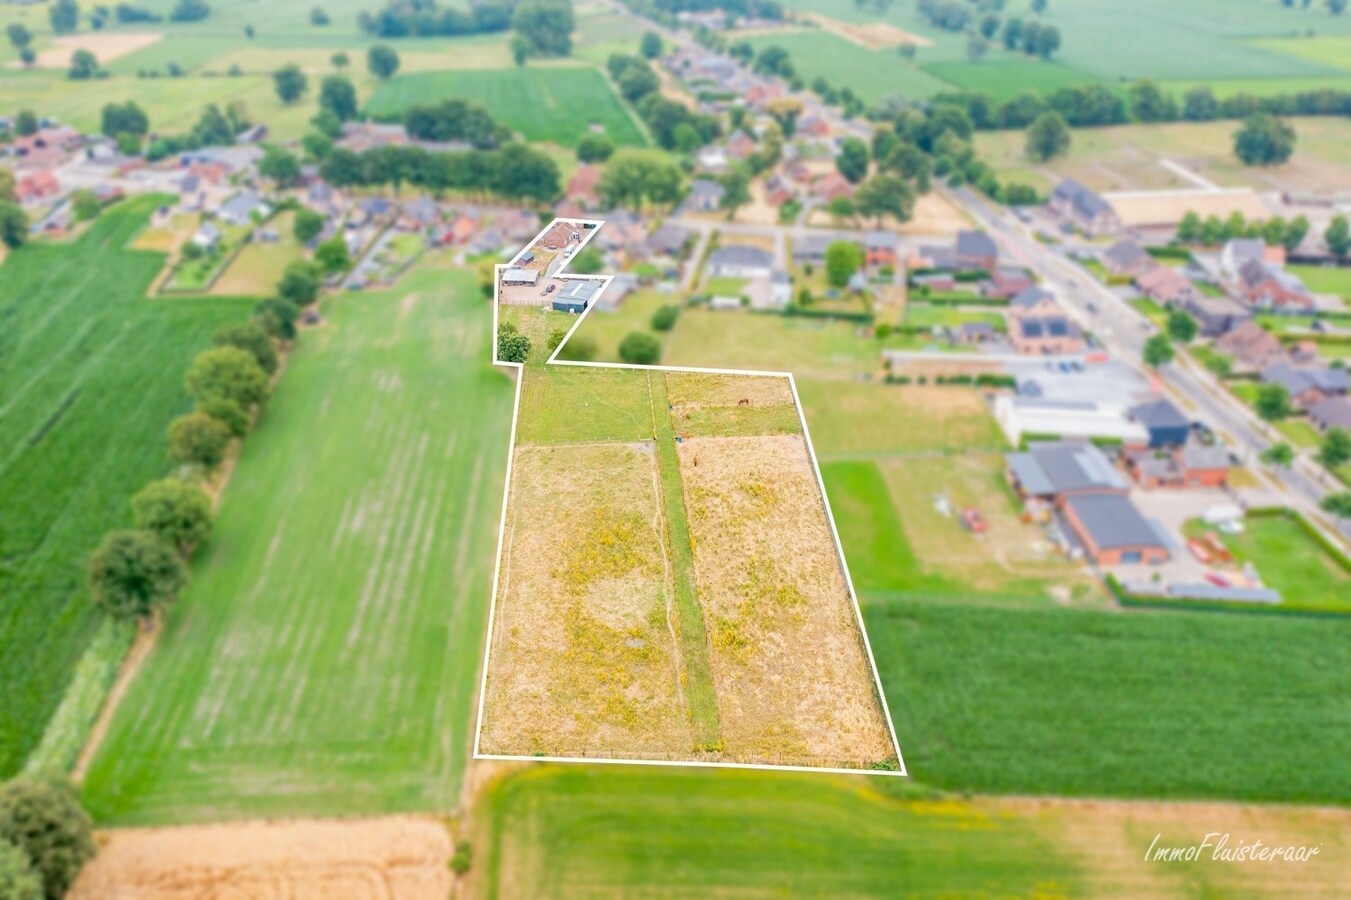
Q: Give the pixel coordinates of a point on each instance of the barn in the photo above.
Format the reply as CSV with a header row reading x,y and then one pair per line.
x,y
576,296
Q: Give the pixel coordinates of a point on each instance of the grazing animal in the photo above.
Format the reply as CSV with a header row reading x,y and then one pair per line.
x,y
743,402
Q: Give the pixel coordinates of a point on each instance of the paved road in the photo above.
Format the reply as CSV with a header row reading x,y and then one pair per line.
x,y
1123,331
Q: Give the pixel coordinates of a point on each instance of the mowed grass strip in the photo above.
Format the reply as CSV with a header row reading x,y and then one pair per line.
x,y
1096,704
643,831
90,377
324,659
549,103
577,405
698,669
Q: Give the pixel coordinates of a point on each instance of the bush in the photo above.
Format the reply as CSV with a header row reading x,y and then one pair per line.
x,y
227,372
43,819
251,338
664,319
463,858
228,413
18,881
278,316
512,346
640,348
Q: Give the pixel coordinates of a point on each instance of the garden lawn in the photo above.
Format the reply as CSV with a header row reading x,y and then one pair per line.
x,y
324,659
1325,279
544,103
1005,76
603,329
91,374
1088,703
1288,559
631,830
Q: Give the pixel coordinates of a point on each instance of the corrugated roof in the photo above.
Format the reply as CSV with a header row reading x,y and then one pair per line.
x,y
1112,521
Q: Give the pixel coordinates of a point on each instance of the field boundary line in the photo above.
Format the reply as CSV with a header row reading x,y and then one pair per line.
x,y
590,228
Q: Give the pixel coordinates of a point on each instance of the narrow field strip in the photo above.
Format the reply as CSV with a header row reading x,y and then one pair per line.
x,y
699,689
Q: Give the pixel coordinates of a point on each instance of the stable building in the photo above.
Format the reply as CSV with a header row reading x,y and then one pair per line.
x,y
517,275
577,295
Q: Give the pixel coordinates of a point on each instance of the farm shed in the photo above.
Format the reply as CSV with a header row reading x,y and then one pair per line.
x,y
576,296
518,275
1113,532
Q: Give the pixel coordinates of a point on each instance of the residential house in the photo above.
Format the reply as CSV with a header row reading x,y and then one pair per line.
x,y
774,292
1126,257
1216,315
1165,424
1252,347
1007,281
1270,288
759,96
242,207
1050,335
36,186
212,172
1166,285
740,145
975,250
419,215
624,230
669,240
460,229
740,262
1333,412
815,126
1310,386
711,159
777,190
46,148
705,195
831,185
518,225
1034,301
577,295
562,235
879,249
207,236
324,199
1238,252
620,286
1190,465
582,186
810,248
1083,208
972,333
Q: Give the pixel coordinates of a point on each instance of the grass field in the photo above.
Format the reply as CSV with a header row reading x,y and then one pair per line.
x,y
553,103
1006,76
620,831
573,405
851,420
90,377
1287,559
1325,279
1126,157
323,660
871,74
1087,703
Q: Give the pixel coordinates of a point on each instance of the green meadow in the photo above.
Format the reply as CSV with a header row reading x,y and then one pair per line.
x,y
635,830
544,103
324,658
90,377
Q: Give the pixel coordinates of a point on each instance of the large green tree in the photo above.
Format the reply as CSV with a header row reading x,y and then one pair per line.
x,y
133,574
1264,140
1272,402
641,348
382,61
43,818
338,96
843,259
227,372
252,338
1158,351
1048,137
545,26
178,512
885,195
736,190
200,439
852,160
1336,449
290,83
18,879
64,16
13,224
1338,236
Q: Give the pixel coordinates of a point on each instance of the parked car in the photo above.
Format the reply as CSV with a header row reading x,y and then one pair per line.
x,y
973,521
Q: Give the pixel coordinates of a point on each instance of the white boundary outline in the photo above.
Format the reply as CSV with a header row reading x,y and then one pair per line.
x,y
592,226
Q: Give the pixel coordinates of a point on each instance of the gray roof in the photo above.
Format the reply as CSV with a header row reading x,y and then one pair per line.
x,y
517,275
1206,591
1031,297
1334,412
579,291
1057,467
1160,414
706,188
1113,521
1124,254
975,243
741,257
880,239
1297,381
1084,202
1243,249
1201,456
241,205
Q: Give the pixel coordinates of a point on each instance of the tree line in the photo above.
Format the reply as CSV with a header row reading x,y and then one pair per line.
x,y
1144,101
515,172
